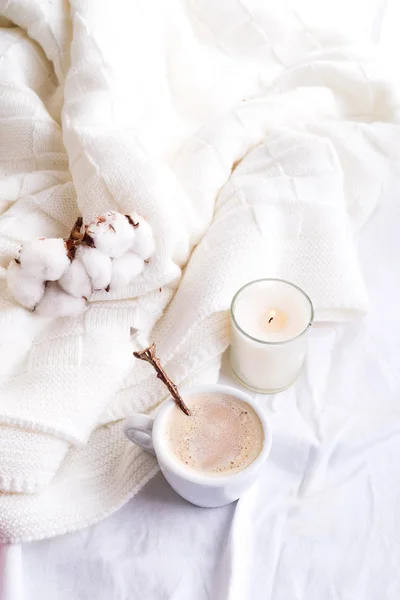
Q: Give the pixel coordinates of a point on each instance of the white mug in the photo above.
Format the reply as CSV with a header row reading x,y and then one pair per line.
x,y
198,488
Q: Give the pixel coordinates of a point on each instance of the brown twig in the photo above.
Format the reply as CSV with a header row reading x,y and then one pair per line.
x,y
76,230
150,356
74,239
132,222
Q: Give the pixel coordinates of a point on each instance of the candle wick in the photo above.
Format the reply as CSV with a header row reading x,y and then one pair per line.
x,y
271,319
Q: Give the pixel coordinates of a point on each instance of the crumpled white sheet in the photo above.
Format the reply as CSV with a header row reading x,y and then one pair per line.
x,y
259,131
323,522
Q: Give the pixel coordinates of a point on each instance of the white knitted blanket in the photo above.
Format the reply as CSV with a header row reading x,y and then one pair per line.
x,y
253,137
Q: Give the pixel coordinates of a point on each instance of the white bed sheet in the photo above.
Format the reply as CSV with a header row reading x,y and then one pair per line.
x,y
323,523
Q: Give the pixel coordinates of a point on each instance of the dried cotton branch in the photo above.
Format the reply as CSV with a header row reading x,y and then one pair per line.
x,y
108,253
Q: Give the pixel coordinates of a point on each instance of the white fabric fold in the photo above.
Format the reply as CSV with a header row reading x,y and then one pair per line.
x,y
254,147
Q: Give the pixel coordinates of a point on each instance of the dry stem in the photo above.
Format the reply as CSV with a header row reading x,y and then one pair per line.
x,y
149,355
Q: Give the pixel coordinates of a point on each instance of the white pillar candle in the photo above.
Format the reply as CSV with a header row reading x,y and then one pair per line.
x,y
270,320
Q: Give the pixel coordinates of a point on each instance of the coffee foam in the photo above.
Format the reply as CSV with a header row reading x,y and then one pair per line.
x,y
222,436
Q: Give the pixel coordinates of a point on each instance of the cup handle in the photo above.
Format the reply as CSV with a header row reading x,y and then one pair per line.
x,y
138,430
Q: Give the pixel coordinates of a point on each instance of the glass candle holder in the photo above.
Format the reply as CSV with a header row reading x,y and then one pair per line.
x,y
270,320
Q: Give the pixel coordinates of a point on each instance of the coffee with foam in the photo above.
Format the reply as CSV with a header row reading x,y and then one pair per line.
x,y
222,436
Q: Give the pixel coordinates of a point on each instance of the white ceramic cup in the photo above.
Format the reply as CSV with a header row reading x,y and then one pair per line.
x,y
198,488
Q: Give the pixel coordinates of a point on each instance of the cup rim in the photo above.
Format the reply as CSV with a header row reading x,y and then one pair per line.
x,y
270,343
167,458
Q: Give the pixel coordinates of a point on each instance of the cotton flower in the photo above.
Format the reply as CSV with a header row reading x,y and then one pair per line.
x,y
109,253
125,269
27,289
97,266
46,257
57,303
143,243
75,280
112,233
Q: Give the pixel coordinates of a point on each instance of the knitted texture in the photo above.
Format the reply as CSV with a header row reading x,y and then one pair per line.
x,y
253,143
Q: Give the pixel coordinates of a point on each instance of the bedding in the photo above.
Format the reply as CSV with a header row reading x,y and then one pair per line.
x,y
256,139
323,520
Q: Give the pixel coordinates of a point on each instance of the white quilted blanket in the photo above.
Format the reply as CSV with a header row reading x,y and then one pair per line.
x,y
254,137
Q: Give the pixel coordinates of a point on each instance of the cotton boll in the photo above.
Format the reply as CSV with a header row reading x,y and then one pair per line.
x,y
143,244
46,257
57,303
112,233
125,269
26,289
75,280
32,261
97,266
